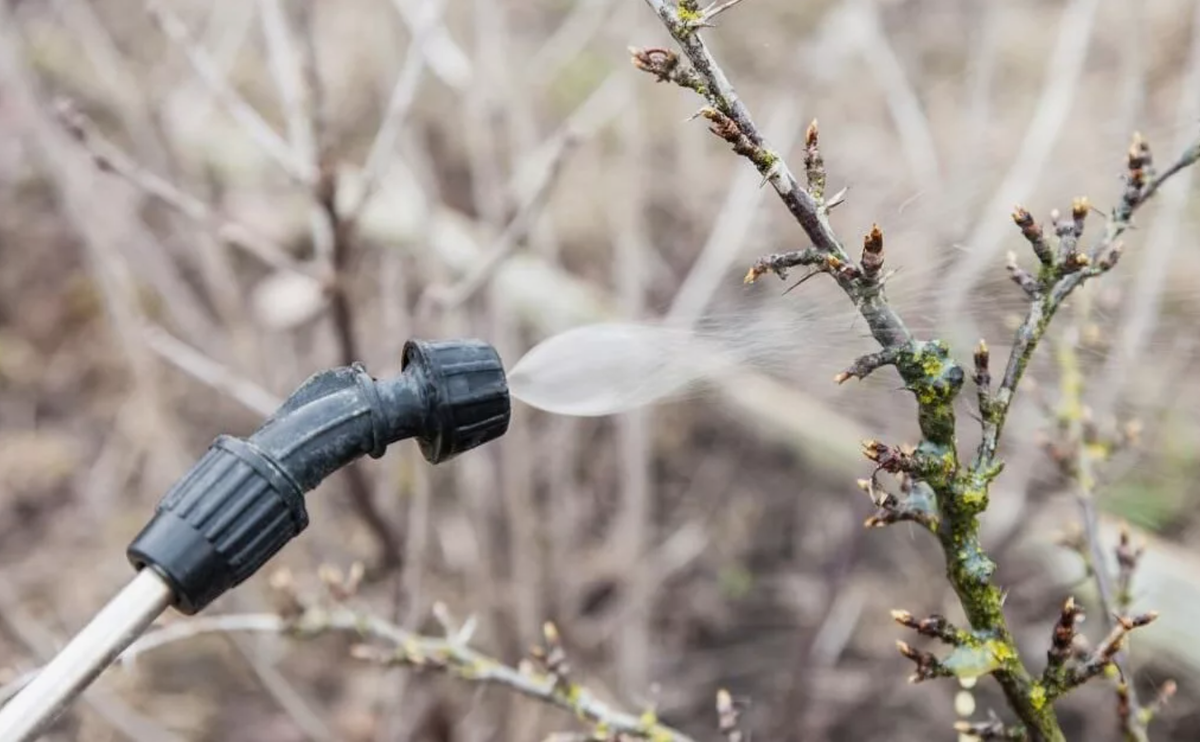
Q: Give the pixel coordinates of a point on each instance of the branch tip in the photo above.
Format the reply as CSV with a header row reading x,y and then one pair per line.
x,y
982,363
814,164
872,253
935,626
1080,207
779,263
1032,232
864,366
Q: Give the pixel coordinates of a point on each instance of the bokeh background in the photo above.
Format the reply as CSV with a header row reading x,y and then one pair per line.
x,y
713,541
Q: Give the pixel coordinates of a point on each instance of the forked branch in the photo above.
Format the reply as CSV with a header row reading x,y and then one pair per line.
x,y
937,490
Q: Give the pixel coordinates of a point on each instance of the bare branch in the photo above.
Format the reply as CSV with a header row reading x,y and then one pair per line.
x,y
450,654
928,666
937,491
210,372
935,626
448,297
1057,285
111,159
404,94
237,107
1103,655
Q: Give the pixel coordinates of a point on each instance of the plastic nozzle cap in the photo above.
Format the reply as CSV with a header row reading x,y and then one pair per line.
x,y
465,392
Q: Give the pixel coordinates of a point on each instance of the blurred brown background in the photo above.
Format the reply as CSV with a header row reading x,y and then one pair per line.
x,y
710,542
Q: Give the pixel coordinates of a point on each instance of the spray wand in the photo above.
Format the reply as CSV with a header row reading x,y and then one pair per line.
x,y
244,499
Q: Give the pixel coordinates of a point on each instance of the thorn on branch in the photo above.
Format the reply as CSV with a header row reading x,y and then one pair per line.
x,y
814,164
1032,232
864,366
1022,278
935,626
836,200
728,717
928,666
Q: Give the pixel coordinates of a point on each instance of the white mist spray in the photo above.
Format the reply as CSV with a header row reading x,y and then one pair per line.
x,y
608,368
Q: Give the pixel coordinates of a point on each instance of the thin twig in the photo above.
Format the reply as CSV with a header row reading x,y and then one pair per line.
x,y
112,159
237,107
1140,315
1079,465
903,101
712,11
454,296
296,76
287,70
210,372
1063,69
404,94
449,654
1099,259
446,58
567,42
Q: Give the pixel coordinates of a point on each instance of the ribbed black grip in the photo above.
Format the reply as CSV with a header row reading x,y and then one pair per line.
x,y
466,392
222,521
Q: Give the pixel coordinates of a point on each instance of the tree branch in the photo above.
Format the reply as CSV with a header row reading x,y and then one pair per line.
x,y
959,494
235,105
1066,273
110,158
545,678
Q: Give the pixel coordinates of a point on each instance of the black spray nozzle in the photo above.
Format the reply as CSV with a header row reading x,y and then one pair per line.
x,y
244,499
